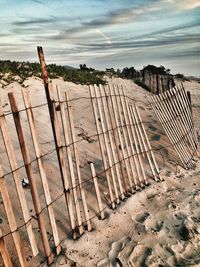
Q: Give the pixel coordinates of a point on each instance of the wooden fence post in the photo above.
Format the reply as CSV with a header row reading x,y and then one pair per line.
x,y
57,140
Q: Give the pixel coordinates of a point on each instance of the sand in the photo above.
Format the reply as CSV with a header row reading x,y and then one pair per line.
x,y
158,226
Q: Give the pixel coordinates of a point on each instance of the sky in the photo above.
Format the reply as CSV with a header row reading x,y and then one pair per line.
x,y
103,33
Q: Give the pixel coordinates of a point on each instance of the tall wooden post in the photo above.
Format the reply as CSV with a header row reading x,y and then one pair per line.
x,y
52,112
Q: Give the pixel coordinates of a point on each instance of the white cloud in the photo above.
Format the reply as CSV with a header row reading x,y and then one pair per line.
x,y
185,4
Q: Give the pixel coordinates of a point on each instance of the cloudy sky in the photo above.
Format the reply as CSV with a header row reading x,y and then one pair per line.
x,y
103,33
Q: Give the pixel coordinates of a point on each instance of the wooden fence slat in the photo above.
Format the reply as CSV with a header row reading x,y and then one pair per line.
x,y
106,142
117,123
126,146
125,130
112,142
63,166
149,148
139,148
134,136
4,252
40,162
30,175
128,127
16,176
147,152
72,130
57,138
69,158
11,220
98,195
120,158
100,137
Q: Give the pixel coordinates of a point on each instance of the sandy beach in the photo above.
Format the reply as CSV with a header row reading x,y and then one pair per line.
x,y
157,226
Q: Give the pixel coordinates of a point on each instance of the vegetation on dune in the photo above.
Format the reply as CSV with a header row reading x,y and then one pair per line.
x,y
11,71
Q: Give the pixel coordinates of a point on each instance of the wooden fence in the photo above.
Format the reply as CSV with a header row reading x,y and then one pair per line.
x,y
173,109
124,148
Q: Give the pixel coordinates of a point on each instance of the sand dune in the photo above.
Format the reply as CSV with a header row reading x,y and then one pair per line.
x,y
158,226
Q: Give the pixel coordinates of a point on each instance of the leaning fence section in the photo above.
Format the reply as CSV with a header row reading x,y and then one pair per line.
x,y
173,110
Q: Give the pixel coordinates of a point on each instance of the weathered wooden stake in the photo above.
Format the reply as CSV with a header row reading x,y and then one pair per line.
x,y
56,133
